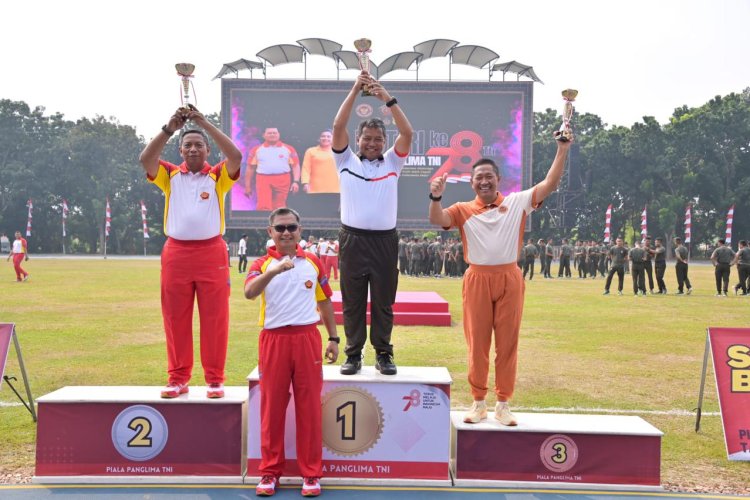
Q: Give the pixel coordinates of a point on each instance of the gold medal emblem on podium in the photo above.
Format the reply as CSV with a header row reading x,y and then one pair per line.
x,y
352,421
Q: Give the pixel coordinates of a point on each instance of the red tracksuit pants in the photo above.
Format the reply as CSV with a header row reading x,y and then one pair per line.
x,y
290,356
20,272
191,269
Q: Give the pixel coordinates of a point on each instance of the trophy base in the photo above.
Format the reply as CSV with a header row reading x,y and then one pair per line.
x,y
365,93
564,136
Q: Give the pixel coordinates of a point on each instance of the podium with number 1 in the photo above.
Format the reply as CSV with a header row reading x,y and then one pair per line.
x,y
376,427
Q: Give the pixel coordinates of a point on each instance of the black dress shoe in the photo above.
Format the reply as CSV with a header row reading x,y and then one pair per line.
x,y
384,364
352,365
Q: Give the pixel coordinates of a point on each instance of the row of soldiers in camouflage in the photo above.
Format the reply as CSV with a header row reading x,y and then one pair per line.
x,y
588,257
591,258
428,257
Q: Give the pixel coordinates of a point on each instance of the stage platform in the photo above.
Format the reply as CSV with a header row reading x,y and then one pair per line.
x,y
126,434
410,308
557,450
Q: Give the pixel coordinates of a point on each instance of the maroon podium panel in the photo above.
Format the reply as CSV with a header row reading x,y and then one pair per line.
x,y
585,449
129,431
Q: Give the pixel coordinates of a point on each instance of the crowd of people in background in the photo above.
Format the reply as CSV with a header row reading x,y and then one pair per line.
x,y
644,261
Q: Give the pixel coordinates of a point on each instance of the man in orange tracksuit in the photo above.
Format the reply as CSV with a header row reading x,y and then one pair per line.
x,y
293,286
491,228
194,259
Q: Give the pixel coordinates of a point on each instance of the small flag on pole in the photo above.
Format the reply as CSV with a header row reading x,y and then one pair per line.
x,y
107,220
28,220
64,215
607,224
688,223
143,218
730,219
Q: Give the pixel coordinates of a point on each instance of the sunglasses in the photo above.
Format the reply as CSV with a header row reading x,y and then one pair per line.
x,y
280,228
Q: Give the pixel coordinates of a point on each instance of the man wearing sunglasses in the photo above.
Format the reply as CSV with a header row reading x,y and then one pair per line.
x,y
368,241
294,287
194,260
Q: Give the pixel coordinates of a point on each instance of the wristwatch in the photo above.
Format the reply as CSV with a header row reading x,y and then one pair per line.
x,y
334,339
435,198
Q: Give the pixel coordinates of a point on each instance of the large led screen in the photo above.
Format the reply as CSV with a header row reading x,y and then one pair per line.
x,y
455,124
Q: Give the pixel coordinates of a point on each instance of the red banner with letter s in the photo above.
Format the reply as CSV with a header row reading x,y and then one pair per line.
x,y
6,333
730,348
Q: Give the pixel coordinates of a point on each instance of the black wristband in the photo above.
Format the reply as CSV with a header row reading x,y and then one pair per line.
x,y
435,198
166,131
334,339
392,102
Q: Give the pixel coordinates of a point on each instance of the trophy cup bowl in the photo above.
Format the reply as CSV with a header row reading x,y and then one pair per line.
x,y
565,134
185,70
363,47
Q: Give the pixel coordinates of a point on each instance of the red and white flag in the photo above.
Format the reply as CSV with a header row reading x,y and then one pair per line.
x,y
607,224
143,218
107,220
64,214
730,219
644,223
688,223
28,220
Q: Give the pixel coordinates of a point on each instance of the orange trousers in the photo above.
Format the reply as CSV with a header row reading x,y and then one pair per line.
x,y
493,302
272,190
190,270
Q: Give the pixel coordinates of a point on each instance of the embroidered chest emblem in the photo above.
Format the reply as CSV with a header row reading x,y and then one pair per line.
x,y
204,195
308,284
502,209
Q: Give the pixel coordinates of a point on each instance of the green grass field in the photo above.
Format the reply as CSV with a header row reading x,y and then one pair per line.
x,y
98,322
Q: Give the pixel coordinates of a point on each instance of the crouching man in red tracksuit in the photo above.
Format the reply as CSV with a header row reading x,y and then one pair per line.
x,y
294,287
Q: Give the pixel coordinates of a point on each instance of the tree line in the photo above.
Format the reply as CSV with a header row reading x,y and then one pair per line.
x,y
699,157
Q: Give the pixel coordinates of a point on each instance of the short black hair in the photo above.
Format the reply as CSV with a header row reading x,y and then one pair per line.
x,y
193,131
486,161
371,123
722,241
678,239
284,211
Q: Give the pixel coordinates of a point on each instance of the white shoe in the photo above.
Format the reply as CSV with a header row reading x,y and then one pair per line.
x,y
476,413
503,414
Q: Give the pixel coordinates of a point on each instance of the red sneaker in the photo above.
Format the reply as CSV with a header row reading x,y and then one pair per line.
x,y
173,390
266,487
215,391
310,486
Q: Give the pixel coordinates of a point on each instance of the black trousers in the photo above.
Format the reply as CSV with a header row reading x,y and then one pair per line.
x,y
403,264
650,273
660,267
564,267
620,277
744,272
242,266
721,272
368,259
681,269
639,277
529,266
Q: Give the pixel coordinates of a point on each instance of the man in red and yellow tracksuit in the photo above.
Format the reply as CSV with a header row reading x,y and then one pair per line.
x,y
20,252
194,258
293,287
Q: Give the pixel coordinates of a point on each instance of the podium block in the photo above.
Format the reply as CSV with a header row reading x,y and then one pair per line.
x,y
557,448
410,308
376,428
129,434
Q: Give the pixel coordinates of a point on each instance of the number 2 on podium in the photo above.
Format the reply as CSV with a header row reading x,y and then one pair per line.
x,y
142,428
347,415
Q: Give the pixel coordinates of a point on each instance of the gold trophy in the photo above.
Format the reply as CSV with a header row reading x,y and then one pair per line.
x,y
363,49
185,70
565,133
